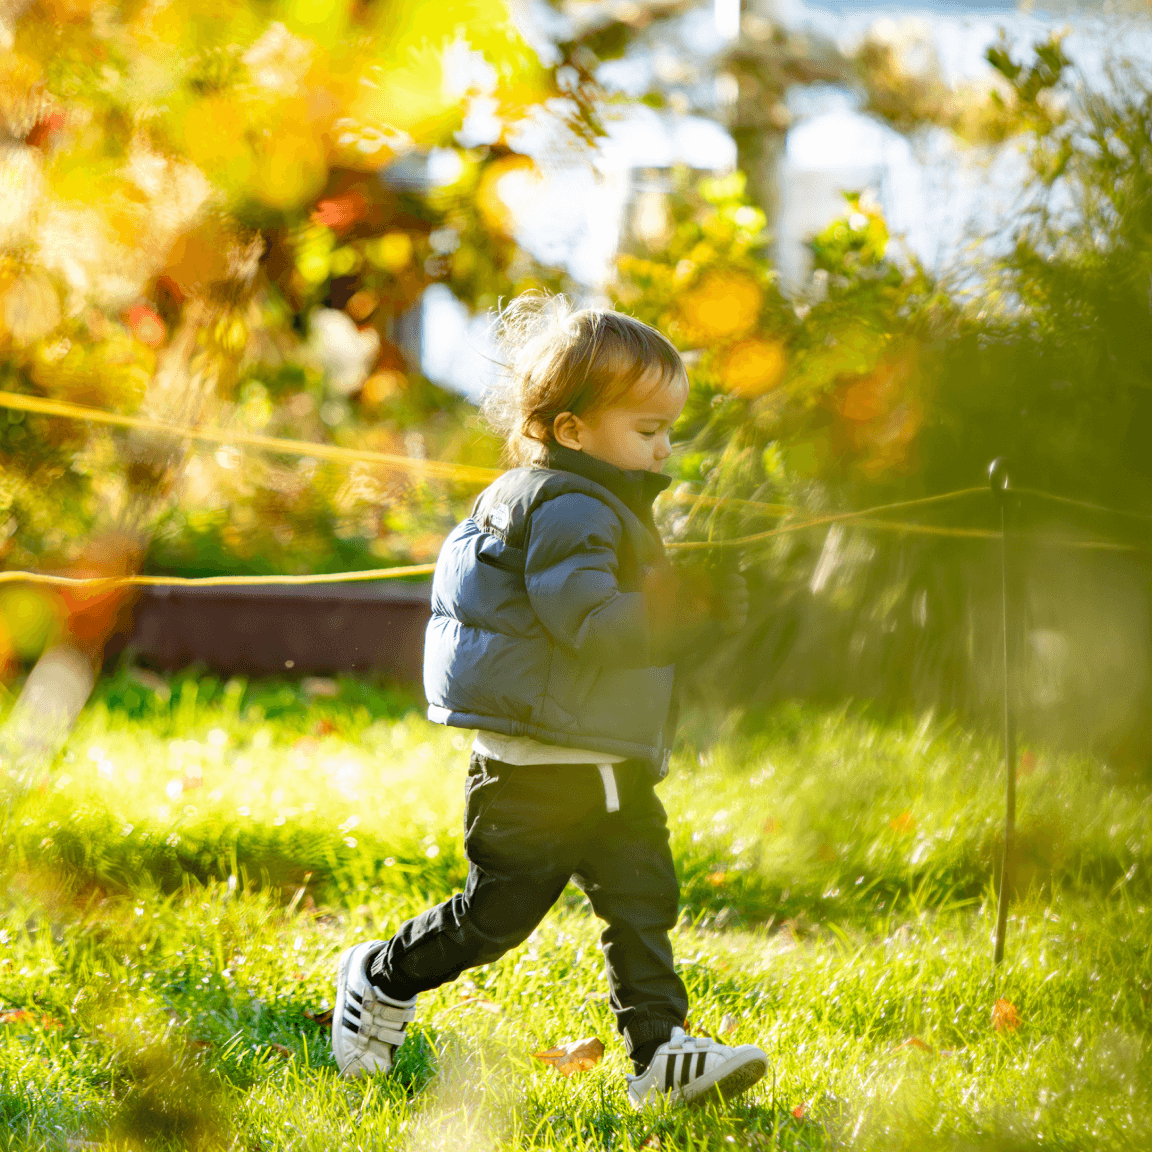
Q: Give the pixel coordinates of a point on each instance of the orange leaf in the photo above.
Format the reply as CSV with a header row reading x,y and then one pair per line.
x,y
281,1050
1005,1018
914,1042
905,822
480,1002
770,826
1027,763
577,1056
800,1111
716,879
323,1017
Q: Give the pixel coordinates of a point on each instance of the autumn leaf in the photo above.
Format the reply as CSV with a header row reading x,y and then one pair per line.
x,y
281,1050
576,1056
1005,1018
480,1002
903,823
728,1025
716,879
323,1017
914,1042
801,1111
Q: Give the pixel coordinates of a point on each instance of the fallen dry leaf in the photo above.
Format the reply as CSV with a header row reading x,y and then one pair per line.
x,y
716,878
905,822
323,1017
577,1056
770,826
728,1024
282,1050
1005,1018
480,1002
651,1142
914,1042
800,1111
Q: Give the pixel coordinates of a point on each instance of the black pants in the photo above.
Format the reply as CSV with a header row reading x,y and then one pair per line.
x,y
528,830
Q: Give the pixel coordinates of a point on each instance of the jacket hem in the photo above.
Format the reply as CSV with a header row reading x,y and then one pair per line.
x,y
441,715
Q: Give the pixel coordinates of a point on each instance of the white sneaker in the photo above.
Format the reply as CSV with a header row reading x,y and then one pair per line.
x,y
367,1026
695,1068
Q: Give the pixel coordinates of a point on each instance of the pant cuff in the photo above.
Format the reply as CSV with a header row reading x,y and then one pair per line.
x,y
649,1028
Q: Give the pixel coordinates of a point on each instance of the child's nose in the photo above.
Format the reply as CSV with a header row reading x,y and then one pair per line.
x,y
663,447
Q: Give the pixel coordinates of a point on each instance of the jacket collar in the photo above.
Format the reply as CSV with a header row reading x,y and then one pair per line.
x,y
636,489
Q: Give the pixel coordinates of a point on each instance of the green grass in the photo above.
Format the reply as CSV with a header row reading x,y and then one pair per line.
x,y
163,950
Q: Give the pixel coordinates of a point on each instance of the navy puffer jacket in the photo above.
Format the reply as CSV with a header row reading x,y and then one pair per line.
x,y
538,624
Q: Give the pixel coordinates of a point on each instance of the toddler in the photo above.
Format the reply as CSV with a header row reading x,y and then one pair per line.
x,y
556,622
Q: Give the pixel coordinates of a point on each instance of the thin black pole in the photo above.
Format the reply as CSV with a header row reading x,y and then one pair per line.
x,y
998,478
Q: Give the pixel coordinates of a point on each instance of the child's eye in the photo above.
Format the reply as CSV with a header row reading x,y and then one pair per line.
x,y
648,434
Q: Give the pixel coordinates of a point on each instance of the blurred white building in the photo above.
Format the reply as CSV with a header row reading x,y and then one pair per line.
x,y
942,200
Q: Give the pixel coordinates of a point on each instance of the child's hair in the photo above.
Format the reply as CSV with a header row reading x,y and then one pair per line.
x,y
560,359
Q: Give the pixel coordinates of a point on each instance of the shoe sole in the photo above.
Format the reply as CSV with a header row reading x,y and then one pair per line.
x,y
725,1087
338,1005
738,1081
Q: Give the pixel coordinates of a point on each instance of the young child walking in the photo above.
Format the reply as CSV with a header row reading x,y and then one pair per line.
x,y
555,625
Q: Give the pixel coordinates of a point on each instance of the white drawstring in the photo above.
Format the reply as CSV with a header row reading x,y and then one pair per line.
x,y
611,796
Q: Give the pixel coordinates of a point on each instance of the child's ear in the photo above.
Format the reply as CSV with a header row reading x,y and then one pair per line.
x,y
566,429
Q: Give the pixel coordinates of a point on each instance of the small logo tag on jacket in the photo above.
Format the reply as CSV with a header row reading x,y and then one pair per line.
x,y
500,517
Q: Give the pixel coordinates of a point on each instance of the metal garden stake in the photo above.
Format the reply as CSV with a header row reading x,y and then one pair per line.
x,y
998,478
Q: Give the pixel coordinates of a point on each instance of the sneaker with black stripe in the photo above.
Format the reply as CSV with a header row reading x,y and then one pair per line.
x,y
694,1068
367,1026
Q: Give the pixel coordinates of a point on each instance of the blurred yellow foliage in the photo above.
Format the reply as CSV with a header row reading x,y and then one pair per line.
x,y
112,372
292,163
28,617
30,309
724,303
215,135
753,367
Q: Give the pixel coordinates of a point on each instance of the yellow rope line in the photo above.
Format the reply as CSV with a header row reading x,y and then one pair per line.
x,y
110,582
1080,503
815,522
433,468
473,474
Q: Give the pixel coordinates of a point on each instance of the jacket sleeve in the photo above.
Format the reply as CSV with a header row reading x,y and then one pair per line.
x,y
571,575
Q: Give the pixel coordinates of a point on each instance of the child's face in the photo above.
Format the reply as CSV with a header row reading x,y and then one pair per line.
x,y
632,434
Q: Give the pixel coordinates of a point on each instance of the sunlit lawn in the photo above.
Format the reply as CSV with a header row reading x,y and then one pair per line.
x,y
178,893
